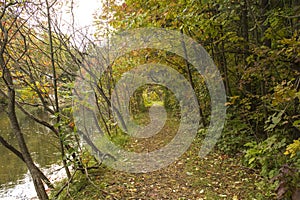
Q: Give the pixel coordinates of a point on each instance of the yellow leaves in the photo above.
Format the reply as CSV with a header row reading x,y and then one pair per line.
x,y
17,74
293,149
46,62
232,101
284,93
43,87
291,41
27,94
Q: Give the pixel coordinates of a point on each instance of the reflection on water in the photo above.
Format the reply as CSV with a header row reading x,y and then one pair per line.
x,y
24,189
41,143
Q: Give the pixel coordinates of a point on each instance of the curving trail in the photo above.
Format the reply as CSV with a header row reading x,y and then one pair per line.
x,y
215,177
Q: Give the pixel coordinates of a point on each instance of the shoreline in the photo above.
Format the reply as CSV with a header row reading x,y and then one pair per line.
x,y
24,189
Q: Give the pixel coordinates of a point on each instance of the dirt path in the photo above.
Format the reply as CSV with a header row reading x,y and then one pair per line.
x,y
215,177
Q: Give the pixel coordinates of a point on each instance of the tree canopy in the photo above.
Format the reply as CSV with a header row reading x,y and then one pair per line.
x,y
255,45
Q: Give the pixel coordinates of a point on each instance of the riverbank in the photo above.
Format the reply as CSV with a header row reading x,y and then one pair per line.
x,y
15,181
24,188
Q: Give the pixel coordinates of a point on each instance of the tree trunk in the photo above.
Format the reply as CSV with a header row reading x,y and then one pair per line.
x,y
38,184
11,108
188,68
264,8
55,87
245,30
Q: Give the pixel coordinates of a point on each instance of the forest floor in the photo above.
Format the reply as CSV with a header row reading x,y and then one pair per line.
x,y
217,176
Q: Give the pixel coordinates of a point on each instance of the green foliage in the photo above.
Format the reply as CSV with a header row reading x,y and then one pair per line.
x,y
235,134
266,155
256,47
284,93
273,121
120,139
80,182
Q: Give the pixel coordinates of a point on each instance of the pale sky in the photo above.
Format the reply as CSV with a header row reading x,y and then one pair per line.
x,y
84,10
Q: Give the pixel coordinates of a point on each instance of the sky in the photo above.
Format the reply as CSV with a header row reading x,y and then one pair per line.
x,y
83,11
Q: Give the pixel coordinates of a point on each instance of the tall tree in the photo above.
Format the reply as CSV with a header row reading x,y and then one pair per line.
x,y
11,94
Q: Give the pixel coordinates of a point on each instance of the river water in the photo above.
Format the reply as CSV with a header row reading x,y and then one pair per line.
x,y
15,181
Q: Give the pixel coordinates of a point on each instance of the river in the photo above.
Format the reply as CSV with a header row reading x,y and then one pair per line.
x,y
15,181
